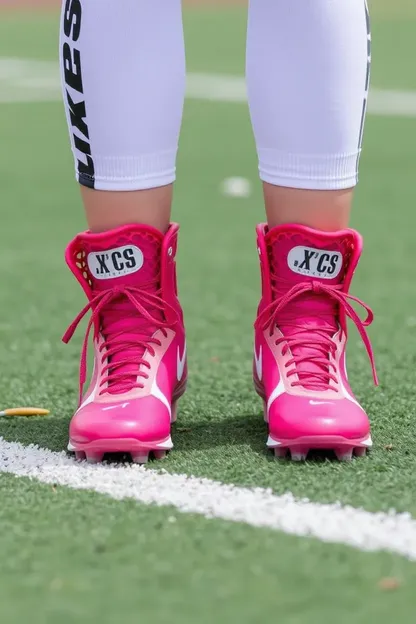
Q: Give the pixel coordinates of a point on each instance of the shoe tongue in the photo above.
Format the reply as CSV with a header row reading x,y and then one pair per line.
x,y
123,257
128,256
298,255
305,257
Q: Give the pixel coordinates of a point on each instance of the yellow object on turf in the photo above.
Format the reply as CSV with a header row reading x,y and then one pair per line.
x,y
25,411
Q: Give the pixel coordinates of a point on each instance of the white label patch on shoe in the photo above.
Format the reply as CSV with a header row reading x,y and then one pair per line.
x,y
115,262
315,262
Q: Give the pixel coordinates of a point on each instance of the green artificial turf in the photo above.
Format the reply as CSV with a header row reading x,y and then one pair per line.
x,y
74,557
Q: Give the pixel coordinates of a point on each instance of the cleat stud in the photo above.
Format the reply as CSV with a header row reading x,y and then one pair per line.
x,y
79,455
299,457
174,414
299,454
159,455
140,458
360,451
94,458
280,452
343,455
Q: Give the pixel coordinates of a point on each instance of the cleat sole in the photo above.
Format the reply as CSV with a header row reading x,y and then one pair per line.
x,y
343,448
139,451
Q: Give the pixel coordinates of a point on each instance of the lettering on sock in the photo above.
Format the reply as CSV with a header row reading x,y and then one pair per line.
x,y
72,70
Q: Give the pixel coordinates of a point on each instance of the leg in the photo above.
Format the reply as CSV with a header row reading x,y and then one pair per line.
x,y
123,75
308,67
308,75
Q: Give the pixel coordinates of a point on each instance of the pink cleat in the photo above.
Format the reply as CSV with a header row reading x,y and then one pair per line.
x,y
140,370
300,339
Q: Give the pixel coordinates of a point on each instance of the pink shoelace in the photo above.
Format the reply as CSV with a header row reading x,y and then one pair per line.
x,y
134,342
318,339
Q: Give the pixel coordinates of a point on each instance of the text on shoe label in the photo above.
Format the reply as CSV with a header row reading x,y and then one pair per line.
x,y
315,262
115,262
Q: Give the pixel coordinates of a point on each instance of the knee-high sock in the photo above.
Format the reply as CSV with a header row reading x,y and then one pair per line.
x,y
123,76
308,69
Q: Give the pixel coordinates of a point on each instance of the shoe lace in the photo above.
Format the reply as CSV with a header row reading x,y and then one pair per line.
x,y
133,342
318,340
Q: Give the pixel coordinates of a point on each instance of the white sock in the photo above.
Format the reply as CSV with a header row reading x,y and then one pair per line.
x,y
123,75
308,66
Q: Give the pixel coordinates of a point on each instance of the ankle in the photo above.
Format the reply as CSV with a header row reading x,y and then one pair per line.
x,y
328,211
107,210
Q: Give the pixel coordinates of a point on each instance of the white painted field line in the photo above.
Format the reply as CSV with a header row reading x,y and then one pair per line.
x,y
259,507
24,80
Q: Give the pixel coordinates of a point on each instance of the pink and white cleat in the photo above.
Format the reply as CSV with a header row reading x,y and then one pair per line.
x,y
300,339
140,370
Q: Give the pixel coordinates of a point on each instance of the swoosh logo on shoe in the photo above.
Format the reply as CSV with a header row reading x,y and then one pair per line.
x,y
320,403
259,362
111,407
181,361
156,392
